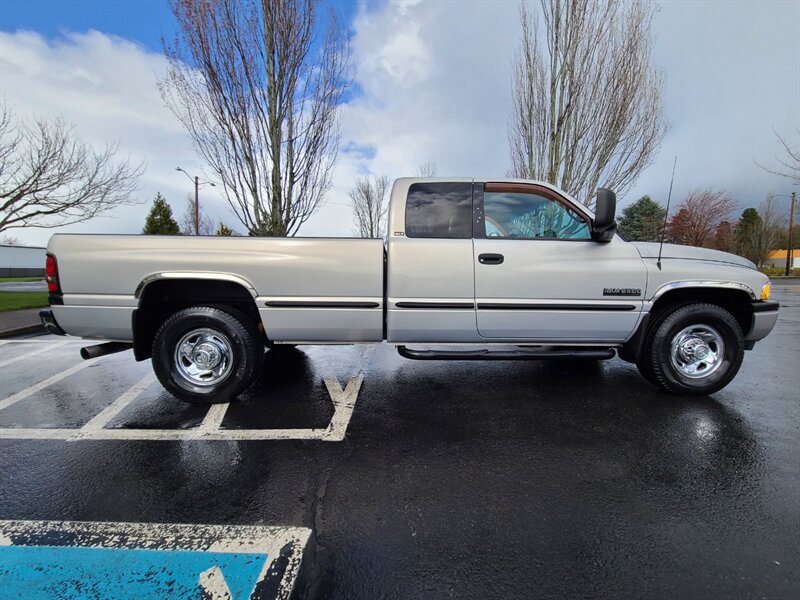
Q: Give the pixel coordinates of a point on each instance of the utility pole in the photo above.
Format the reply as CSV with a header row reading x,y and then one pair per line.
x,y
197,184
791,226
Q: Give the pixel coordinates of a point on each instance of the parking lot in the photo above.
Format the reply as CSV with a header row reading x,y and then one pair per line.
x,y
433,479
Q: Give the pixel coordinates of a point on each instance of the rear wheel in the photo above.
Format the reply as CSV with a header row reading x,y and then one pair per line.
x,y
207,354
695,350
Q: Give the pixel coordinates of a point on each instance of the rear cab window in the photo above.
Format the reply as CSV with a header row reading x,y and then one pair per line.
x,y
439,210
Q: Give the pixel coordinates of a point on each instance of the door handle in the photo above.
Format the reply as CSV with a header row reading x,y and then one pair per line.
x,y
491,259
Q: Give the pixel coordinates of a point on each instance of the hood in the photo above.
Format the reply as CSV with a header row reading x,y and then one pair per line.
x,y
650,250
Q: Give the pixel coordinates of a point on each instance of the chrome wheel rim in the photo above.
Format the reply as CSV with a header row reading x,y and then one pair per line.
x,y
204,357
697,351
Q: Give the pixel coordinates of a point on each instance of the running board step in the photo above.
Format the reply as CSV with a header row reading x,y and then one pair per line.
x,y
520,354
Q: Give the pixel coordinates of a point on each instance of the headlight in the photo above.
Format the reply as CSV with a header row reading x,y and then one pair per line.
x,y
766,290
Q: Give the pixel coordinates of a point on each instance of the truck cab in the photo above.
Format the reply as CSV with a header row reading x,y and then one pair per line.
x,y
505,261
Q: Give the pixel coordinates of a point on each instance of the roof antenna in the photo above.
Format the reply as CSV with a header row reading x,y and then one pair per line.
x,y
666,213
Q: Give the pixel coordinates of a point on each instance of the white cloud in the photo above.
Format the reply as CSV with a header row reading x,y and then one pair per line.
x,y
434,84
436,78
106,86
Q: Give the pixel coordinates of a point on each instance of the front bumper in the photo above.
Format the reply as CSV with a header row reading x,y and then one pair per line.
x,y
49,322
765,315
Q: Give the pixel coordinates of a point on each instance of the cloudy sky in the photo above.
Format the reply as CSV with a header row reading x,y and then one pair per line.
x,y
433,84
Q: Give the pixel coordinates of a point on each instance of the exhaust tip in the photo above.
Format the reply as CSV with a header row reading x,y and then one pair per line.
x,y
103,349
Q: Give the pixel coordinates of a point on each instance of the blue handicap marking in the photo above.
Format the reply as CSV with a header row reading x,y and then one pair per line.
x,y
74,560
78,573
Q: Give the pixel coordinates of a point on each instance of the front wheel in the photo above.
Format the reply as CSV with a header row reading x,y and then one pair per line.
x,y
696,350
207,355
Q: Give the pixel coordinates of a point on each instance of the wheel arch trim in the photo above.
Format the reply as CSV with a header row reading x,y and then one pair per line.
x,y
196,275
702,284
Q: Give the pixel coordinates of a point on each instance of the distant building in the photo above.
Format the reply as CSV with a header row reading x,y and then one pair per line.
x,y
22,261
777,258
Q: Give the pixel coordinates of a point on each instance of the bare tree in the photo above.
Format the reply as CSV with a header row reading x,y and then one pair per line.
x,y
205,225
587,100
369,204
427,169
789,165
763,235
49,177
259,95
697,217
9,240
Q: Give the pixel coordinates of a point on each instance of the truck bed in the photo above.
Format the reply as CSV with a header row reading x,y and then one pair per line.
x,y
306,289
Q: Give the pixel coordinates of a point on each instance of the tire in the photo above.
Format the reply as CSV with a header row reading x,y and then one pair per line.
x,y
222,354
694,350
647,372
643,364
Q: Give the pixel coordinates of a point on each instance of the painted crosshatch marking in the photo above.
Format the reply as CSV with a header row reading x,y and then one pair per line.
x,y
71,560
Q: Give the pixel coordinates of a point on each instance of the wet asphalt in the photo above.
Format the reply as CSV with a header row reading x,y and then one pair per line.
x,y
454,480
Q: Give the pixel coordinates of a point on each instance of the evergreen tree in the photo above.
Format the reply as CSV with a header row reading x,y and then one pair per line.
x,y
642,221
160,220
746,232
224,231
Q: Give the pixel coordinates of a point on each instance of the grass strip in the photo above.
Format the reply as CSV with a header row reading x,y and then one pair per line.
x,y
20,300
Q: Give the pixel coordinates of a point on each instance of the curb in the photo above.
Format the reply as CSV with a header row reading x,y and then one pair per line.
x,y
7,333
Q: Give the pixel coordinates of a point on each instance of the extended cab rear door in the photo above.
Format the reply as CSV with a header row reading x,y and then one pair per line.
x,y
430,280
540,277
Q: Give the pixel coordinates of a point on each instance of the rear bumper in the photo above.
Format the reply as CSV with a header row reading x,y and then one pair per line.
x,y
765,315
49,322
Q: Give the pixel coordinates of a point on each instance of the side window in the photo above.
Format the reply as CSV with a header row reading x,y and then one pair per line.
x,y
531,216
439,210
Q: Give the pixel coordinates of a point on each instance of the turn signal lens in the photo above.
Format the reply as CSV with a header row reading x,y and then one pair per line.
x,y
766,291
51,272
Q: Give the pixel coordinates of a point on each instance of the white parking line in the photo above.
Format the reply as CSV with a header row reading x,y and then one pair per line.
x,y
21,395
344,402
214,416
11,361
112,410
210,429
343,399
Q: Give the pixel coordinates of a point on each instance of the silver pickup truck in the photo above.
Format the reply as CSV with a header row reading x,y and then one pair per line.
x,y
471,269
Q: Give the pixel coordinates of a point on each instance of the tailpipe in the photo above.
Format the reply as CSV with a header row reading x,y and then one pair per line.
x,y
103,349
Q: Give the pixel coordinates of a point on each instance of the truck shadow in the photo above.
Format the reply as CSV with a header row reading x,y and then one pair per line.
x,y
288,395
603,416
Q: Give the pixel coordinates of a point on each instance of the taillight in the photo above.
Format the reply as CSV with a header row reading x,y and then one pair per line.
x,y
51,272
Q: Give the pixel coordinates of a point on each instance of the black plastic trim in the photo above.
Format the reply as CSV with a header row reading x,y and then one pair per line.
x,y
55,299
440,305
50,323
488,258
631,350
478,221
760,306
595,307
313,304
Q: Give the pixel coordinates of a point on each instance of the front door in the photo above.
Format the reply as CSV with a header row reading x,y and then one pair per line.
x,y
540,277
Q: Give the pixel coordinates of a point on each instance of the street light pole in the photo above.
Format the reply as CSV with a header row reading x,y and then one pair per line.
x,y
789,241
